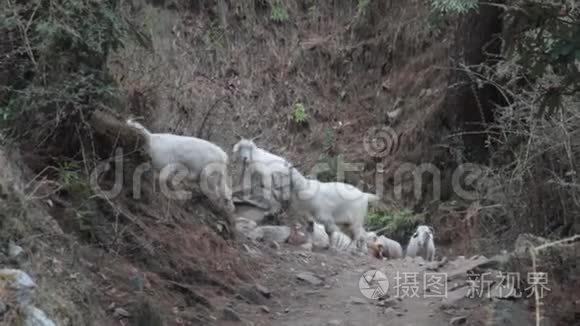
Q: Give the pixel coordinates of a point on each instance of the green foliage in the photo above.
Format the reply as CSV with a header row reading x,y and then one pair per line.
x,y
71,179
312,10
279,12
396,224
362,6
298,114
56,60
454,7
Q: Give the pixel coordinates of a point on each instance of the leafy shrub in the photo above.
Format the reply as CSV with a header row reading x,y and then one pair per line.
x,y
56,64
395,224
298,114
362,6
279,13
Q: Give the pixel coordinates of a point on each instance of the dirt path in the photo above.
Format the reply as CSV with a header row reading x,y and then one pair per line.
x,y
333,297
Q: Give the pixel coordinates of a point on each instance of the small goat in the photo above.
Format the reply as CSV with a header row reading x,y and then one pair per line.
x,y
391,248
422,243
273,169
381,246
197,155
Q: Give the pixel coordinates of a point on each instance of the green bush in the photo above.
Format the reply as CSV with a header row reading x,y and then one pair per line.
x,y
298,114
279,13
393,223
56,62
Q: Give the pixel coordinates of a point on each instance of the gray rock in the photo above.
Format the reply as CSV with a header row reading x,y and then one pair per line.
x,y
252,295
36,317
14,250
250,211
265,309
244,225
389,311
269,233
17,278
121,313
357,300
231,314
309,277
20,283
334,322
458,320
264,291
390,302
307,246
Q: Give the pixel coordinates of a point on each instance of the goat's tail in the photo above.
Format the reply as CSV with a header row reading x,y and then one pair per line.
x,y
372,197
140,128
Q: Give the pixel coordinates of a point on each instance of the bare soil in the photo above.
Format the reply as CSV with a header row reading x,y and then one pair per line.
x,y
338,300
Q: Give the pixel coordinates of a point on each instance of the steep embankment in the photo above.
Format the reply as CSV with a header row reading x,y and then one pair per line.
x,y
223,67
215,68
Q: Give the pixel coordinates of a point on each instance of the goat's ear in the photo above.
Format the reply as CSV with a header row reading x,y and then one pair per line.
x,y
236,148
257,137
416,234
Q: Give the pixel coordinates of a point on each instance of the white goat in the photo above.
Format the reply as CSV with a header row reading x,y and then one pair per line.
x,y
332,204
200,157
391,248
422,243
273,170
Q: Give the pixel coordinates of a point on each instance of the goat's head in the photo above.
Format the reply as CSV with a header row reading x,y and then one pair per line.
x,y
423,234
244,149
376,249
371,237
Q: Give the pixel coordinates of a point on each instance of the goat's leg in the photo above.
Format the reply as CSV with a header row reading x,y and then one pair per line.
x,y
330,227
226,190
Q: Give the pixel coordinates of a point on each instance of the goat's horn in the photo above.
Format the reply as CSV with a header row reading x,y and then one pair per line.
x,y
254,138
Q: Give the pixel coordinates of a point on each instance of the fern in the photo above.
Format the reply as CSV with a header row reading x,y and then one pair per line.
x,y
298,114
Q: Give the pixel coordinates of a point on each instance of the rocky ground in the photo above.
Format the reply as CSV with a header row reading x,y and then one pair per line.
x,y
305,288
